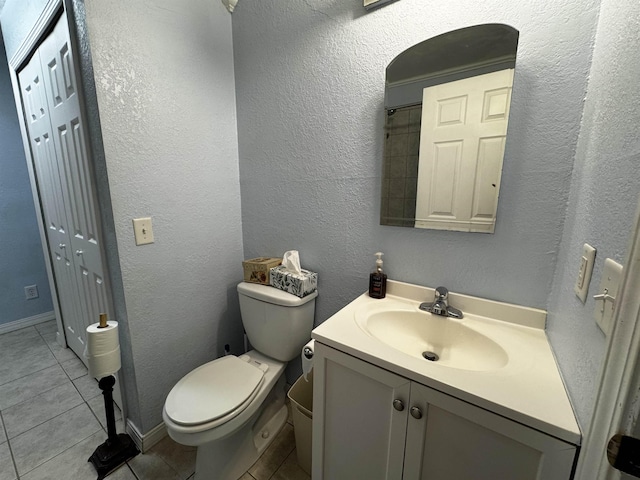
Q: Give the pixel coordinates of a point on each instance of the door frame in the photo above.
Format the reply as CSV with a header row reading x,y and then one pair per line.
x,y
52,10
618,399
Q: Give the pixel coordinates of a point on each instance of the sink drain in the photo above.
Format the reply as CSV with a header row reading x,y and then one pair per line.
x,y
432,357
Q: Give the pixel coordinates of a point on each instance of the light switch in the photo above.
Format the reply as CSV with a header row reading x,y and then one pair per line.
x,y
143,230
584,272
606,298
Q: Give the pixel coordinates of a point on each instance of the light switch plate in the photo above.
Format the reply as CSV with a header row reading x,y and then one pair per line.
x,y
605,308
143,230
587,260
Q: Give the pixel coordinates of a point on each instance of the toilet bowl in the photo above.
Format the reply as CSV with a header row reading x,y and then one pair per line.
x,y
233,407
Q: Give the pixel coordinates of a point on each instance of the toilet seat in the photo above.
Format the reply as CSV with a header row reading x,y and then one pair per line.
x,y
215,392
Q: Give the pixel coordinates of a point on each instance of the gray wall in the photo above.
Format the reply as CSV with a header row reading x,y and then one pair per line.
x,y
310,89
165,87
603,199
21,256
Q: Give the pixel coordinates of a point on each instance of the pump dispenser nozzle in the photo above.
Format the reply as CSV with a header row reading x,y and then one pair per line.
x,y
379,262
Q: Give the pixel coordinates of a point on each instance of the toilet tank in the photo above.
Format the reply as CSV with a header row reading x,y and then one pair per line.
x,y
278,324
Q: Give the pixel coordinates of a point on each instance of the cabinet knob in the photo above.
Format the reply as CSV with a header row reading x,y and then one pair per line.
x,y
79,252
416,413
398,405
62,245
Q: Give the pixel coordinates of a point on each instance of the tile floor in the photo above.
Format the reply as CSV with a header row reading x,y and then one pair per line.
x,y
52,419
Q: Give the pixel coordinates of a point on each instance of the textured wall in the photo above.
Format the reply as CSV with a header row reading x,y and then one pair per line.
x,y
165,87
21,257
603,199
310,89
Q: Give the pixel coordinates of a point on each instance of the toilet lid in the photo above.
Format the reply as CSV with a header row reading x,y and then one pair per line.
x,y
213,390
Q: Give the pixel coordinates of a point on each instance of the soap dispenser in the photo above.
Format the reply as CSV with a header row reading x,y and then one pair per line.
x,y
378,280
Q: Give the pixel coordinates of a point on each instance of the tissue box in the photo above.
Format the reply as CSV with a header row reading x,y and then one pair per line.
x,y
299,285
256,270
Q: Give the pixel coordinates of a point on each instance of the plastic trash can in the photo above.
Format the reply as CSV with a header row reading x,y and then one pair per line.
x,y
301,397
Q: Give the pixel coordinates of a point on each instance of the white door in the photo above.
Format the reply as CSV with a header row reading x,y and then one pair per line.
x,y
462,137
63,170
47,170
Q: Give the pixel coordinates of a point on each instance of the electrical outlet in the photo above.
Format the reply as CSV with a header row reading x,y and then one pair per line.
x,y
31,292
143,230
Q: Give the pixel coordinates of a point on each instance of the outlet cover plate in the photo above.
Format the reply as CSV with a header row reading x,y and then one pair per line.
x,y
31,292
587,260
604,309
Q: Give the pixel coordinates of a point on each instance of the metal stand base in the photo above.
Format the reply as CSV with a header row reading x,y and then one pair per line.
x,y
110,455
119,447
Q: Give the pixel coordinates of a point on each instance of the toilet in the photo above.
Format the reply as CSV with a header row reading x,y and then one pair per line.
x,y
233,407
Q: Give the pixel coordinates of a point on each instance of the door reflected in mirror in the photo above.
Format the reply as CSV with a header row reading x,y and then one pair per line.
x,y
446,114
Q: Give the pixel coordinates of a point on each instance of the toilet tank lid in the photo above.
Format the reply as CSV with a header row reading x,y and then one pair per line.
x,y
267,293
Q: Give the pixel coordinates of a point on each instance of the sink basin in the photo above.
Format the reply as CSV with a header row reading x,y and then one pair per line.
x,y
421,334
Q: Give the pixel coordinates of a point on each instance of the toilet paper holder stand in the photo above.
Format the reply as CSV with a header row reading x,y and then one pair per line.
x,y
118,448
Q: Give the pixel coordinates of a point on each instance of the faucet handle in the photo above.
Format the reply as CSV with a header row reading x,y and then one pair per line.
x,y
441,293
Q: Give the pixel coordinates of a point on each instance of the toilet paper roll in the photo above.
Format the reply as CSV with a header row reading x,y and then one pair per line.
x,y
307,358
101,366
102,349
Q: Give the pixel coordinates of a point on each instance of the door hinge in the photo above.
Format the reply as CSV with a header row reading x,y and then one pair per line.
x,y
623,453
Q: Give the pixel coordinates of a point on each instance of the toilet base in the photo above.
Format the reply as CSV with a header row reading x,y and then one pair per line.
x,y
231,457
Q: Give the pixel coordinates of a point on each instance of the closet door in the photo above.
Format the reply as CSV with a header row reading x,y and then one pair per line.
x,y
65,181
69,137
47,170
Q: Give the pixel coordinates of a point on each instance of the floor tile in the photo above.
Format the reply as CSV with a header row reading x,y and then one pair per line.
x,y
31,385
181,458
45,441
96,404
150,466
7,470
19,338
246,476
87,386
274,455
61,353
73,464
47,327
3,435
290,470
37,410
17,362
74,368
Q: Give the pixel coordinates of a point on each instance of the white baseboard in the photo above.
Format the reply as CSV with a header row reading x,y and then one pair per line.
x,y
26,322
145,442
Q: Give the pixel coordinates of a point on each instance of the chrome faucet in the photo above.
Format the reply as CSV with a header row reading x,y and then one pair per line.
x,y
440,305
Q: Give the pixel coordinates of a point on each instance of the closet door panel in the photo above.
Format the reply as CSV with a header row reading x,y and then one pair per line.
x,y
76,174
49,175
64,175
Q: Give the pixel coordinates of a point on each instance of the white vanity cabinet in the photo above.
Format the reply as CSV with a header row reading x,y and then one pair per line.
x,y
370,423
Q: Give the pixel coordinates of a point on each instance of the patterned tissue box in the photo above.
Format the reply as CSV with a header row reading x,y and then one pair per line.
x,y
299,285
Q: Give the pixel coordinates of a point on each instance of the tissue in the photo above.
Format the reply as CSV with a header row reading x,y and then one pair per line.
x,y
291,278
291,261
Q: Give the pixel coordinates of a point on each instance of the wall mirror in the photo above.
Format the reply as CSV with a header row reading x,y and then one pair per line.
x,y
446,106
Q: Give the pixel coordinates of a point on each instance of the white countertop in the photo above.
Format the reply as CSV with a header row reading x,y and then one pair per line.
x,y
528,389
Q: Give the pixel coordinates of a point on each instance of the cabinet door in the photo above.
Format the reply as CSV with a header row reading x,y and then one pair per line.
x,y
357,431
454,440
